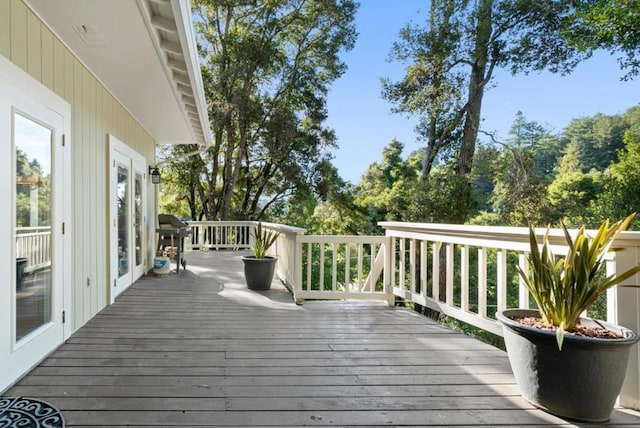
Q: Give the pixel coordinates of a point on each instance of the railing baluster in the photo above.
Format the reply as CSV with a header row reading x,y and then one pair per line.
x,y
435,271
196,236
482,282
464,278
372,286
412,266
423,268
347,267
403,264
392,264
449,280
322,267
334,267
309,266
360,259
502,279
523,292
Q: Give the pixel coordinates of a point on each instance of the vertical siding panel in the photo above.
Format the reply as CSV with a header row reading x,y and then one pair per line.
x,y
113,129
93,197
58,67
103,237
86,190
19,34
34,46
115,121
5,28
67,66
122,123
69,84
78,193
47,58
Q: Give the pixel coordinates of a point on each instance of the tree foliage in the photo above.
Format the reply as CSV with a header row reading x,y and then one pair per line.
x,y
613,25
33,192
267,67
452,60
531,177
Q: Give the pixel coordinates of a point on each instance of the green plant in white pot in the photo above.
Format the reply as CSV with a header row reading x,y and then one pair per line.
x,y
259,267
569,365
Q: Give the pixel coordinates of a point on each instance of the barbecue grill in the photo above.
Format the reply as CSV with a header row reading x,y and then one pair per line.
x,y
171,233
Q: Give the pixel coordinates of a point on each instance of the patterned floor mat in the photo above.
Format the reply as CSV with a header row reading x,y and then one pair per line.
x,y
28,412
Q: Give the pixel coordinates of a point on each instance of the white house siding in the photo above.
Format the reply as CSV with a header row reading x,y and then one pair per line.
x,y
95,113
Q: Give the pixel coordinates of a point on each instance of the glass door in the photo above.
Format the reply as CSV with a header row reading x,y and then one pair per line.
x,y
128,196
34,245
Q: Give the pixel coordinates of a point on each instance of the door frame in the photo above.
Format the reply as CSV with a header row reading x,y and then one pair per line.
x,y
119,151
23,94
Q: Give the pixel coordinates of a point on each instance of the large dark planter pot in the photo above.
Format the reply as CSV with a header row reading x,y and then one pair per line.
x,y
581,381
258,273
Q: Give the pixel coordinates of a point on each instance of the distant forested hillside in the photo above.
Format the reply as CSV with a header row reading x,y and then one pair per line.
x,y
587,172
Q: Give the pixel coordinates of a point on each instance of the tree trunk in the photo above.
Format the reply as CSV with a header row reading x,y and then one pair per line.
x,y
478,79
228,182
477,82
432,149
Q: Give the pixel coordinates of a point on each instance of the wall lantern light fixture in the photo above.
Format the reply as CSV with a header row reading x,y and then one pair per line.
x,y
154,173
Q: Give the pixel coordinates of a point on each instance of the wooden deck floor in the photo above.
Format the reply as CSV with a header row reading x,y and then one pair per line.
x,y
199,349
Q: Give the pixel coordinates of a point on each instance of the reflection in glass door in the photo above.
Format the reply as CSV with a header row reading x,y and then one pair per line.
x,y
138,221
33,202
122,190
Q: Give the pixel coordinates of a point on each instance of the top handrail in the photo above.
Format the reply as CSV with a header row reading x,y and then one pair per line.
x,y
499,233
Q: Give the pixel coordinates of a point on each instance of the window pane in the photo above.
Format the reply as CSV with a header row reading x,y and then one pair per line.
x,y
34,200
138,218
123,220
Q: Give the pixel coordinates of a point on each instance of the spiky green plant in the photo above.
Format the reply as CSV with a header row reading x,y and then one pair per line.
x,y
264,239
564,287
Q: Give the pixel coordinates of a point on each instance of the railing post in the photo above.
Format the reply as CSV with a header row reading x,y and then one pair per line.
x,y
623,308
297,270
188,242
387,274
200,240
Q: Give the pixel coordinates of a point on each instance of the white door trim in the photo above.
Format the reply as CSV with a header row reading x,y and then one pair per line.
x,y
19,92
120,152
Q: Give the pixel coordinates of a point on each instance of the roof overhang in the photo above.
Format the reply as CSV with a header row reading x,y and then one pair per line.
x,y
144,53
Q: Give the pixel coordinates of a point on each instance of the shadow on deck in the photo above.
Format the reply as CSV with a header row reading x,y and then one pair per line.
x,y
199,349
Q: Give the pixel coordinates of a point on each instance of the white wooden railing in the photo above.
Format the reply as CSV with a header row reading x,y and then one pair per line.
x,y
34,244
342,267
217,235
433,263
424,252
466,272
284,249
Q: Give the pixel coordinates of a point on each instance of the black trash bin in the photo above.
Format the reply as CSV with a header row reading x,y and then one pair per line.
x,y
21,264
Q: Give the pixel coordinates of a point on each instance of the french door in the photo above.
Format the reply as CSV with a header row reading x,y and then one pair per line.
x,y
34,230
128,220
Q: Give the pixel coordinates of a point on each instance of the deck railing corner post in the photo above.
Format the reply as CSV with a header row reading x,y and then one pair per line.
x,y
296,287
386,276
623,308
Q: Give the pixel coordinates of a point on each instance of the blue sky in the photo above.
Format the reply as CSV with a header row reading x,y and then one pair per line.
x,y
364,123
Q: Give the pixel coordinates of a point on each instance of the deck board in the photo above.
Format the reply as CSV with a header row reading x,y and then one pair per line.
x,y
199,349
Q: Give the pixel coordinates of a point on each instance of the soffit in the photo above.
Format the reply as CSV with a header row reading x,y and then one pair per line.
x,y
143,51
